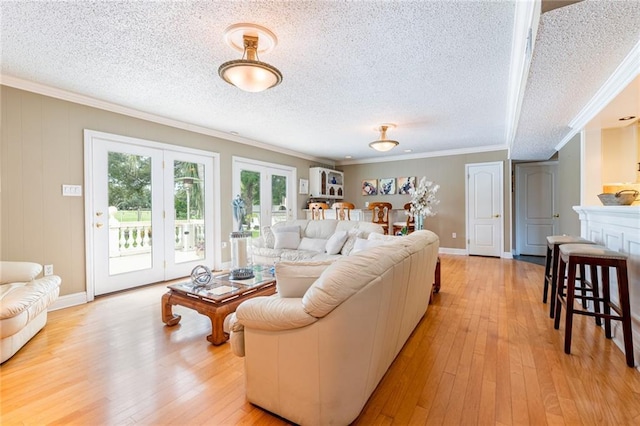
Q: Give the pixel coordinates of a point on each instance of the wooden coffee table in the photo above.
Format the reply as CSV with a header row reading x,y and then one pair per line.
x,y
216,300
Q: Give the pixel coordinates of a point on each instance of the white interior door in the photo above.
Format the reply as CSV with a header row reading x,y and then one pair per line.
x,y
149,212
485,207
536,207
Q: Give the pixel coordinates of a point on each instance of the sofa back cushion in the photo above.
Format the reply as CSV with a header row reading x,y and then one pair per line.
x,y
11,272
320,228
294,278
313,244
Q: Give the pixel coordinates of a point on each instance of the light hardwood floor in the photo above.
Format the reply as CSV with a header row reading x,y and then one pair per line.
x,y
485,353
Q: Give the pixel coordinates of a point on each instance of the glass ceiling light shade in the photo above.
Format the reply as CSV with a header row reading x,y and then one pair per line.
x,y
249,73
383,144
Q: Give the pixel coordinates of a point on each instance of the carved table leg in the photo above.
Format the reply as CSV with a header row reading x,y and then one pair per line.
x,y
168,317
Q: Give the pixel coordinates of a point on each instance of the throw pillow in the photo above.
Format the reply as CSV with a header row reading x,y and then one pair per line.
x,y
286,237
362,244
294,278
313,244
336,241
268,237
352,235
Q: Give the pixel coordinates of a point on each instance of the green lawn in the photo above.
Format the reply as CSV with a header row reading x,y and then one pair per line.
x,y
132,216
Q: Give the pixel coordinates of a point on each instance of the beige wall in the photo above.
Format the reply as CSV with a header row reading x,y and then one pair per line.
x,y
42,148
449,173
620,154
569,186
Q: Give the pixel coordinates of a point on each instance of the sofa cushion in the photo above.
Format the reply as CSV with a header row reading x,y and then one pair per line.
x,y
352,235
294,278
335,242
320,228
313,244
298,254
268,237
287,237
11,272
362,244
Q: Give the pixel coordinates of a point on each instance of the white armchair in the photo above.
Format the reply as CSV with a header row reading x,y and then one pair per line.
x,y
24,300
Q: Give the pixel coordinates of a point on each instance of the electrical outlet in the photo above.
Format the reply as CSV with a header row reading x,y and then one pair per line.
x,y
454,235
48,270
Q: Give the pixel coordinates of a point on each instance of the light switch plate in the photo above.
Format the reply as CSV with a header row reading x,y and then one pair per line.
x,y
72,190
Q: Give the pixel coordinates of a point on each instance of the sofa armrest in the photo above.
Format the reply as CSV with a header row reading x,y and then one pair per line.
x,y
18,297
273,314
13,272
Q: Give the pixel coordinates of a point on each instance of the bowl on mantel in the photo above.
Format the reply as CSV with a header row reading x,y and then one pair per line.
x,y
613,188
621,198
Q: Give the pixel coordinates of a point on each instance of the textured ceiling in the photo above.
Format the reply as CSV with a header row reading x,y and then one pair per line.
x,y
577,48
438,69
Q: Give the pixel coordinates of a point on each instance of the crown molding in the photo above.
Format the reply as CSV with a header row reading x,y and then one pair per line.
x,y
624,74
77,98
443,153
525,28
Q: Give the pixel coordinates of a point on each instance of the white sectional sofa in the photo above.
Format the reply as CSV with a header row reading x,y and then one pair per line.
x,y
316,359
315,242
24,300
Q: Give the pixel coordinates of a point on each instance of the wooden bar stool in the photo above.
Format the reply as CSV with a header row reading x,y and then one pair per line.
x,y
576,255
551,265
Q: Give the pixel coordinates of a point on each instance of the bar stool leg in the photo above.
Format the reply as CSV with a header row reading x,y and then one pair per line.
x,y
626,313
554,279
571,288
606,289
547,267
596,292
558,293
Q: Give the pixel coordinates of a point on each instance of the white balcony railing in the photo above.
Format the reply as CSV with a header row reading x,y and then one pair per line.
x,y
131,238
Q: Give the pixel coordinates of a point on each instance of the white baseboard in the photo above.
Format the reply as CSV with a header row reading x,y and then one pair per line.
x,y
458,252
507,255
69,300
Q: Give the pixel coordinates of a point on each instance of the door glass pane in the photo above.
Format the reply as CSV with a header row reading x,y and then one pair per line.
x,y
129,187
188,196
279,206
247,213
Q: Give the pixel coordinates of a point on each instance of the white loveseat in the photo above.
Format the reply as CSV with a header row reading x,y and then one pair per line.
x,y
314,235
315,360
24,300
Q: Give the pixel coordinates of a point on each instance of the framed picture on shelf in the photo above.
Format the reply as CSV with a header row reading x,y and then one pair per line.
x,y
370,187
405,184
387,186
304,186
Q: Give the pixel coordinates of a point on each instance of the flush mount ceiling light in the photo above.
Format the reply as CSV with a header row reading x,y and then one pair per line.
x,y
249,73
383,144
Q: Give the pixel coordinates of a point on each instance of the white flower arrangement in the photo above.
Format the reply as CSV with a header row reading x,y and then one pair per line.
x,y
423,198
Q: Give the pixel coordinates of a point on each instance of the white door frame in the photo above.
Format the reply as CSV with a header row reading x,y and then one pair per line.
x,y
500,168
89,202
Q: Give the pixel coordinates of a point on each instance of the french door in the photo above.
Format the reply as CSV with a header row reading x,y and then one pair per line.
x,y
149,212
263,194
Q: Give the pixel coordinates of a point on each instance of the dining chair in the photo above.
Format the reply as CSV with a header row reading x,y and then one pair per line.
x,y
381,214
409,223
317,210
343,210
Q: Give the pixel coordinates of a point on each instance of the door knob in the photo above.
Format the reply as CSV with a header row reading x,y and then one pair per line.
x,y
496,215
98,214
99,225
556,215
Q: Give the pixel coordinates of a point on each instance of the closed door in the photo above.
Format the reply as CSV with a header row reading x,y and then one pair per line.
x,y
536,207
485,209
149,212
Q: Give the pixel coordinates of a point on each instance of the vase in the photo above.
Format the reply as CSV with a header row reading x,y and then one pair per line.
x,y
419,222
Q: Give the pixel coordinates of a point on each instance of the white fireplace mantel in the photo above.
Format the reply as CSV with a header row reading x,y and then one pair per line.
x,y
618,228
